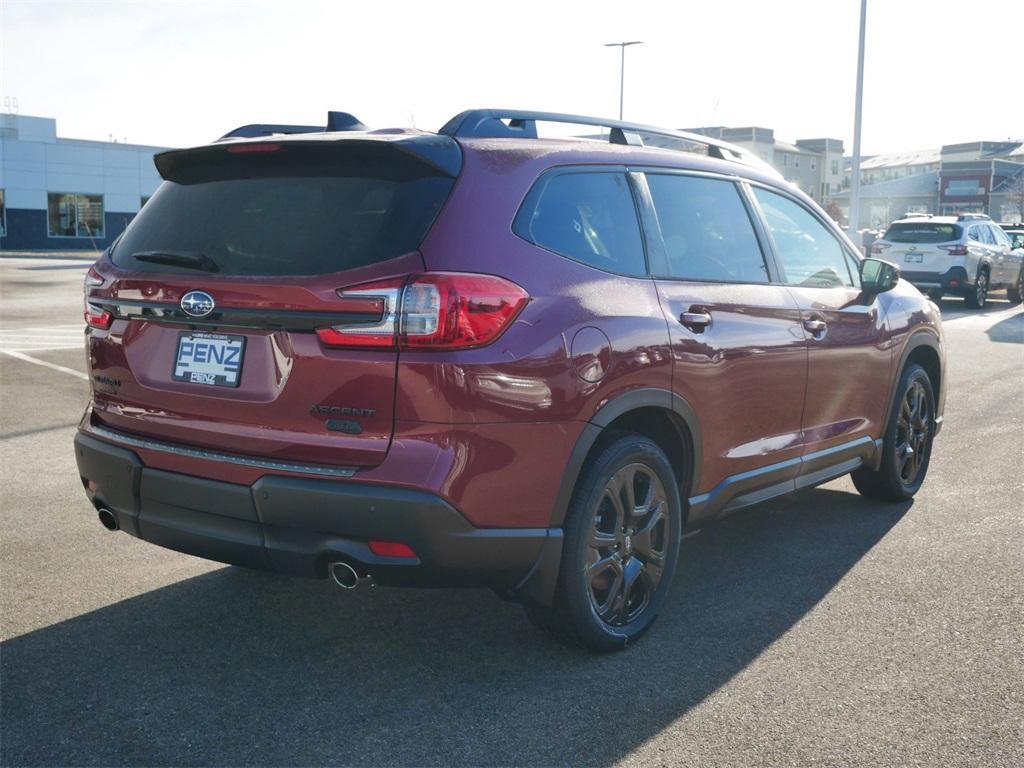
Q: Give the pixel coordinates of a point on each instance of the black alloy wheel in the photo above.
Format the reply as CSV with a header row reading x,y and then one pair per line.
x,y
620,547
913,431
628,545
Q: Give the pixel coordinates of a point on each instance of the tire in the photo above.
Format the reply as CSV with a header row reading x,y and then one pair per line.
x,y
623,526
1015,292
900,474
978,297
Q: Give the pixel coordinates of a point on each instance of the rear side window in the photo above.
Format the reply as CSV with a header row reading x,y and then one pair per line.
x,y
589,217
923,232
296,211
811,255
986,235
706,229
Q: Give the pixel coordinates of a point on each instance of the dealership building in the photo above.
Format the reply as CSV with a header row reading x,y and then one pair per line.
x,y
67,194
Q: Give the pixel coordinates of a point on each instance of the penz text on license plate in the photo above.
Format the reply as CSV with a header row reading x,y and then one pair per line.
x,y
209,358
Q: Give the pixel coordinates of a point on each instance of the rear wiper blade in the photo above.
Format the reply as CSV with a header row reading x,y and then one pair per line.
x,y
187,259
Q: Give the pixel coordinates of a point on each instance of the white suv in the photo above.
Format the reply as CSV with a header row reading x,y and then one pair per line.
x,y
966,255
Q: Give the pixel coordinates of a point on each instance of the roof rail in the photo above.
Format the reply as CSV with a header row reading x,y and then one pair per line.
x,y
336,121
488,123
973,217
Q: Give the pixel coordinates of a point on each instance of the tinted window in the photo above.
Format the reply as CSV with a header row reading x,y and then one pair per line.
x,y
810,254
706,229
589,217
986,235
974,233
1001,237
299,211
923,232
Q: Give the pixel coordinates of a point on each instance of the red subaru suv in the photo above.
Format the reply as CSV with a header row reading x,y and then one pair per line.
x,y
478,357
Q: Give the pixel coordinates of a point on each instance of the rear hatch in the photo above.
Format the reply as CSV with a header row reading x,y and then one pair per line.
x,y
924,246
214,294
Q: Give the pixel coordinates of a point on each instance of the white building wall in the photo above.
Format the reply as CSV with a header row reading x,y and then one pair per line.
x,y
34,162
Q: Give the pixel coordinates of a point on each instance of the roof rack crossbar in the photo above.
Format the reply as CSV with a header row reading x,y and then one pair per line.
x,y
336,121
489,123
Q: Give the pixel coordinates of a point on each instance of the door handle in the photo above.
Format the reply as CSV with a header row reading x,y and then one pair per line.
x,y
697,319
815,326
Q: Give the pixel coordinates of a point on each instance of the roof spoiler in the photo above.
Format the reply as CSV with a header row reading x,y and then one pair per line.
x,y
491,123
336,121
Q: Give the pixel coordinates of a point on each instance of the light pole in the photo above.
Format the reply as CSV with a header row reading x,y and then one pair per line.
x,y
622,68
854,222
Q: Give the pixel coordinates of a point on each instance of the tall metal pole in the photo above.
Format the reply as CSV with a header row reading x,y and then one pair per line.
x,y
622,79
622,69
854,222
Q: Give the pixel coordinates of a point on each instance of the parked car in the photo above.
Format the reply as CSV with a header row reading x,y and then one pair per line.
x,y
482,358
965,255
1016,234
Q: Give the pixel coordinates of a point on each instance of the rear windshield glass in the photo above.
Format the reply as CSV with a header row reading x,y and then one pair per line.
x,y
294,211
923,232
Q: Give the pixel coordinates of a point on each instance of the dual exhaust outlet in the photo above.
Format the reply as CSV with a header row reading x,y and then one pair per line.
x,y
343,574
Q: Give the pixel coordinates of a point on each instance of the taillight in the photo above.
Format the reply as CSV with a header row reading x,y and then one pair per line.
x,y
95,317
379,299
435,310
880,247
955,250
457,311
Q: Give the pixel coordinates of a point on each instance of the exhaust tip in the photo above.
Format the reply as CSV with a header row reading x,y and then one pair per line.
x,y
345,575
108,519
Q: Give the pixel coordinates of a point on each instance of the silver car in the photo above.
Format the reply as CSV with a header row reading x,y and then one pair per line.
x,y
965,255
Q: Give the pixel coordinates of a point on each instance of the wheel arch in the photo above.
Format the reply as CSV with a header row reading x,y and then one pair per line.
x,y
659,414
925,348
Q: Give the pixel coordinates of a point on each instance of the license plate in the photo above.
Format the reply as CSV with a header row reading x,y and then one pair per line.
x,y
914,258
209,358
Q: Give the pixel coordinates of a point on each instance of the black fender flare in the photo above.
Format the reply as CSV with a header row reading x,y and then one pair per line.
x,y
918,339
632,400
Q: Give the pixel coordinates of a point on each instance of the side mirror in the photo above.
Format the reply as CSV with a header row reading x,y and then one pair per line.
x,y
877,276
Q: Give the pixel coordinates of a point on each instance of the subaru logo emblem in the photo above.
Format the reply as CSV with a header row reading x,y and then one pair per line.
x,y
197,303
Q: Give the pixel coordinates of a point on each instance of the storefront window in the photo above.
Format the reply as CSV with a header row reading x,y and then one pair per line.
x,y
71,215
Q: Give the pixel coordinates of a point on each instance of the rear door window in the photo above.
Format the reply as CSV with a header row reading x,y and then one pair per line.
x,y
810,254
706,229
587,216
922,232
295,211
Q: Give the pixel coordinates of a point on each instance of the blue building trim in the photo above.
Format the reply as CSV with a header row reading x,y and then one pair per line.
x,y
27,231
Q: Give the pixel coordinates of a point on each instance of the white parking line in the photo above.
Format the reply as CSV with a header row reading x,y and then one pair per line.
x,y
38,339
44,363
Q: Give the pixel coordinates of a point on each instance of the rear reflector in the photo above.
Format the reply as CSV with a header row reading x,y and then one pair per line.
x,y
391,549
435,310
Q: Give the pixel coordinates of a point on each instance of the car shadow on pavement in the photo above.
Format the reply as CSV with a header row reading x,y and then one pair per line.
x,y
237,667
1009,330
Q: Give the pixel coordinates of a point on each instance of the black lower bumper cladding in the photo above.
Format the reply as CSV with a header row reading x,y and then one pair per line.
x,y
298,526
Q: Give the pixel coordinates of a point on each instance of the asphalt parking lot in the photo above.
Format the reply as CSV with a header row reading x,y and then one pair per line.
x,y
823,629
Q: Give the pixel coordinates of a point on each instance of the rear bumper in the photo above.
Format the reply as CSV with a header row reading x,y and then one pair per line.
x,y
298,525
954,280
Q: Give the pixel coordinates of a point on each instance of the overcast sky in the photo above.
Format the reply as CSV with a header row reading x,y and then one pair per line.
x,y
179,73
